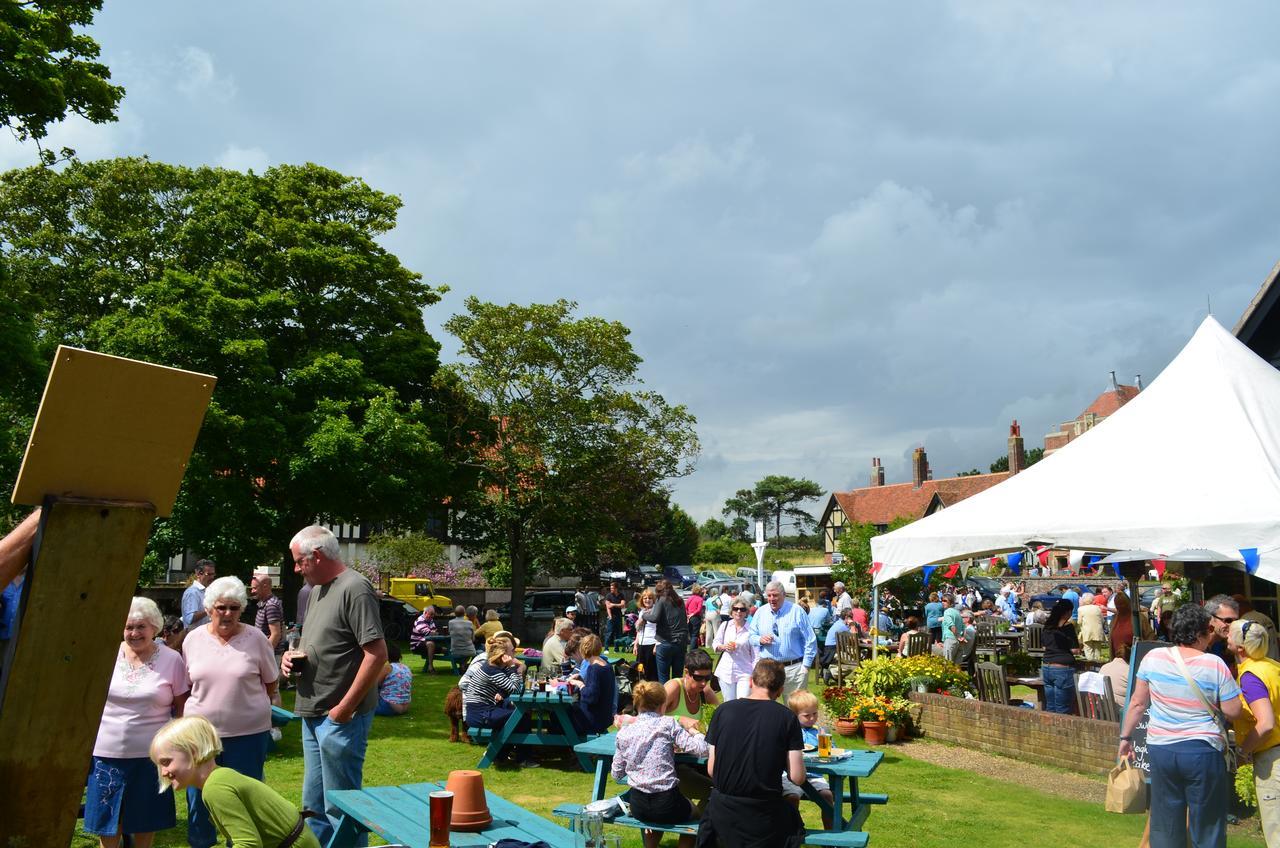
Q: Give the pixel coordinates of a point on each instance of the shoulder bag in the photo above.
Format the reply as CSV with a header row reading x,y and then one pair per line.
x,y
1228,748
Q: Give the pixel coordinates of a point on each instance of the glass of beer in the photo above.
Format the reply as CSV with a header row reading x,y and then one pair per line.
x,y
824,742
441,814
296,659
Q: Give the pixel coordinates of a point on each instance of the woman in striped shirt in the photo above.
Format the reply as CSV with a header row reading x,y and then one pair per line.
x,y
1185,740
486,685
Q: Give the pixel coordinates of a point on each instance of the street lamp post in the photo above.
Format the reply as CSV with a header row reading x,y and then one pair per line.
x,y
759,545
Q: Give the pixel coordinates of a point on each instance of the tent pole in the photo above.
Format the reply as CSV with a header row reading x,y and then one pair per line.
x,y
875,620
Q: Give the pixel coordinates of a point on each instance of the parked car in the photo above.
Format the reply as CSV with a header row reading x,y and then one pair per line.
x,y
418,592
988,587
397,617
713,574
540,609
716,588
787,579
682,576
747,573
646,575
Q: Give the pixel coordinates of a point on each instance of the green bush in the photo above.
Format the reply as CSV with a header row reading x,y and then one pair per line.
x,y
893,677
719,552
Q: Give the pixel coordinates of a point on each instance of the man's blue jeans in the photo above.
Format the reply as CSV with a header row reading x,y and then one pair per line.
x,y
669,658
1059,688
332,758
1188,795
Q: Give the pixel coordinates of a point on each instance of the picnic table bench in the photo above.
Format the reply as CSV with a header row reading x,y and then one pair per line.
x,y
844,831
399,814
551,726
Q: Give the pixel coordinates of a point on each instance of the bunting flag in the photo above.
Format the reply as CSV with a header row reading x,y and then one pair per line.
x,y
876,566
1042,554
994,562
1158,565
1014,561
1074,558
928,572
1250,559
1115,566
951,571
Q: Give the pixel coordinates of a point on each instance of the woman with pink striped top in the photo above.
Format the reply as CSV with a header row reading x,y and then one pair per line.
x,y
1185,694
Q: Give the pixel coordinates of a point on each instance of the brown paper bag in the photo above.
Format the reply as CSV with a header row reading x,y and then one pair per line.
x,y
1126,790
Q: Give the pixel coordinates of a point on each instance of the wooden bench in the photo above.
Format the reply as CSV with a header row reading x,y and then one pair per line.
x,y
843,839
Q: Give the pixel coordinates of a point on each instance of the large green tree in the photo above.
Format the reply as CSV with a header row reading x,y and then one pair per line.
x,y
774,497
855,570
573,435
48,67
276,284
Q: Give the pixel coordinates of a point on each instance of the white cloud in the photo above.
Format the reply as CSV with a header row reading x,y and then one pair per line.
x,y
244,159
198,78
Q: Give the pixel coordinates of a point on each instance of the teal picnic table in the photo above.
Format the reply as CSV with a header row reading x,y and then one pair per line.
x,y
551,725
837,772
399,814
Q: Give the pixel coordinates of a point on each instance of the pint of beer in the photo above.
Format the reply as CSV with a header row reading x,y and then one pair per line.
x,y
441,814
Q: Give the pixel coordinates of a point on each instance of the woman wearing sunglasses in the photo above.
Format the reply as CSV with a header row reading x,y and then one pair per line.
x,y
234,677
1256,731
686,695
737,654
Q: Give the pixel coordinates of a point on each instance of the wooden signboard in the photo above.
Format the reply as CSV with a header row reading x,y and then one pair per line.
x,y
106,455
1140,650
113,429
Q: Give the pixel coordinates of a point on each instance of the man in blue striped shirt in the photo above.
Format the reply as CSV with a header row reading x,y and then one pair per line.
x,y
781,631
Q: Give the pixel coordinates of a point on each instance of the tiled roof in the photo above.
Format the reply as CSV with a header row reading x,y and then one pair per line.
x,y
882,504
1111,400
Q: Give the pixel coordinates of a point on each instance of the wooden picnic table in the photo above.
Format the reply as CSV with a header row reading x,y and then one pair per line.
x,y
1036,683
861,764
399,814
551,725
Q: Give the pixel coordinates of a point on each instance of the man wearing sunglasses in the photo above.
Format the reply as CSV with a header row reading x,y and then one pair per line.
x,y
1223,611
781,631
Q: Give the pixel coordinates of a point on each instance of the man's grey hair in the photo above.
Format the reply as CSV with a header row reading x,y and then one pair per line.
x,y
473,611
203,565
460,610
1086,599
1222,601
838,585
317,538
263,579
776,584
145,609
223,589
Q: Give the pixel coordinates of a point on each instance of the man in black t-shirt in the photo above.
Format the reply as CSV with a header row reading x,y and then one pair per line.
x,y
613,604
747,808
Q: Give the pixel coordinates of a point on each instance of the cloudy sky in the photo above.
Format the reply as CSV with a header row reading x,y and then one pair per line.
x,y
836,230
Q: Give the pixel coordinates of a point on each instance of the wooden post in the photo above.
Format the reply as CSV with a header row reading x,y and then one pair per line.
x,y
75,603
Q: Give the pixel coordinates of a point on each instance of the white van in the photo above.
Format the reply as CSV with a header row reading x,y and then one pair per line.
x,y
788,581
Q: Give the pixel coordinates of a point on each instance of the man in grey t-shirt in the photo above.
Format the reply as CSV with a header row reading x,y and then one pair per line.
x,y
337,688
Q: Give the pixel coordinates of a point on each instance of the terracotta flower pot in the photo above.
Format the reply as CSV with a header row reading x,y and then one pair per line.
x,y
874,732
470,809
847,726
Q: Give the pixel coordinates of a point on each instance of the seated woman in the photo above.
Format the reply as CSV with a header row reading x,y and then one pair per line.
x,y
491,626
244,811
913,626
394,684
688,694
645,755
597,689
486,685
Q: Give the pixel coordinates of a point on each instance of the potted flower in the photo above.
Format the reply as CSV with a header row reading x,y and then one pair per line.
x,y
898,714
873,714
840,701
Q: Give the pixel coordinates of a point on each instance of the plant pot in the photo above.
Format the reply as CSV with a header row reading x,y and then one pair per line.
x,y
874,732
891,734
847,726
470,808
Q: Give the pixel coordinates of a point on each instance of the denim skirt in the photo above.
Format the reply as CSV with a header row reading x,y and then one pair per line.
x,y
123,796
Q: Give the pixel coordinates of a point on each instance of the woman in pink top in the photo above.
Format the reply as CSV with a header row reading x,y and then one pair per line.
x,y
738,657
148,687
233,674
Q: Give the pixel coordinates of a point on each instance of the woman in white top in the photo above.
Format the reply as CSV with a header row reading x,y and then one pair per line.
x,y
738,656
646,639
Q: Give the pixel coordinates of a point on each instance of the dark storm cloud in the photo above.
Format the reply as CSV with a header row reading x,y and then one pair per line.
x,y
837,231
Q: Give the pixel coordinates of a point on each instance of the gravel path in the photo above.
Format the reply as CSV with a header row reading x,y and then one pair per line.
x,y
1062,784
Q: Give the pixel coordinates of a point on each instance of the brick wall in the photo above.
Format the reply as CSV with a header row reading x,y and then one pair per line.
x,y
1069,742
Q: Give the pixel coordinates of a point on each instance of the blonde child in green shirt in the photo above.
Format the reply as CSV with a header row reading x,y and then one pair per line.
x,y
246,811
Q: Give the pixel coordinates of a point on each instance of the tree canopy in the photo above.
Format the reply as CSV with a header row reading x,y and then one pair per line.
x,y
276,284
572,438
50,68
772,498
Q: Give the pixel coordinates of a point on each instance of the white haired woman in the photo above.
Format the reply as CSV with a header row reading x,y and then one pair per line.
x,y
234,678
148,687
1093,636
1256,730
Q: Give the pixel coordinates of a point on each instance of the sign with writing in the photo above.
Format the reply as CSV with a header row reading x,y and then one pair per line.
x,y
1140,650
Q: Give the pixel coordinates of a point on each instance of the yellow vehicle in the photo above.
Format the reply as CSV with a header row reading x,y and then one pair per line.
x,y
417,593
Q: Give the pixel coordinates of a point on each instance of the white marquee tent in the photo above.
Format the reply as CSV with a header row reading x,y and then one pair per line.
x,y
1192,461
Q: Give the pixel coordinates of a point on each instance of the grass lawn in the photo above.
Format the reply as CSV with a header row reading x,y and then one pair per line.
x,y
929,806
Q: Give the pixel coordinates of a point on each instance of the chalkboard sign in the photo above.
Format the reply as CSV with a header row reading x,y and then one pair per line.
x,y
1140,650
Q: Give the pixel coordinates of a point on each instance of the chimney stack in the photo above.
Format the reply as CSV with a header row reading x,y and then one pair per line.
x,y
919,468
1115,387
877,472
1017,453
1139,382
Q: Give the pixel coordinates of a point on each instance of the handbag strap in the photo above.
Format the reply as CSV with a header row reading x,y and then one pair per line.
x,y
1218,718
